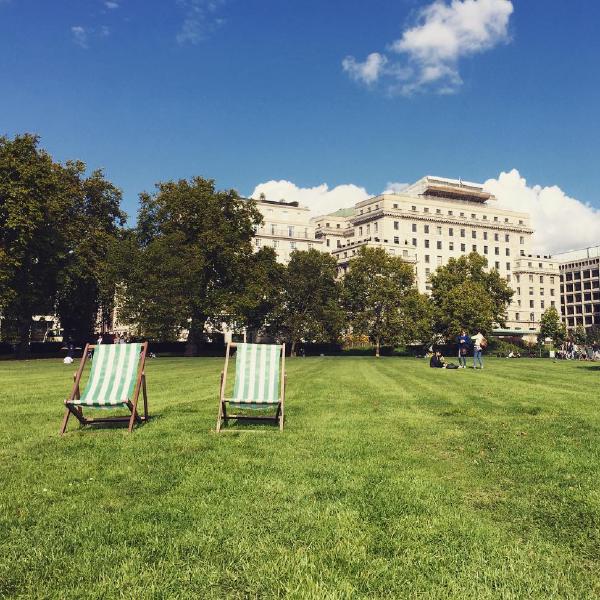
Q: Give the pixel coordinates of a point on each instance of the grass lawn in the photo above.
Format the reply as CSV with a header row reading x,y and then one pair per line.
x,y
390,480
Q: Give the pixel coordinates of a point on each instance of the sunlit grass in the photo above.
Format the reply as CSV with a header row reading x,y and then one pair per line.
x,y
390,480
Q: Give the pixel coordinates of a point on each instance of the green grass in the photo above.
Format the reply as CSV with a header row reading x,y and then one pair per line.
x,y
390,480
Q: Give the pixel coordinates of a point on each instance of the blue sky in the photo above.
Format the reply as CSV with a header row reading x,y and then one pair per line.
x,y
248,91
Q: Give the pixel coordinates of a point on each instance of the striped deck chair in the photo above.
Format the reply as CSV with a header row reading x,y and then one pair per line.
x,y
259,383
115,381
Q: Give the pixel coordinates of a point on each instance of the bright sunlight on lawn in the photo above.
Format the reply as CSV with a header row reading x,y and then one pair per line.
x,y
390,480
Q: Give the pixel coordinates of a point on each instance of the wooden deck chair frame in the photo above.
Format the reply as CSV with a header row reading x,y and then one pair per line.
x,y
131,404
279,416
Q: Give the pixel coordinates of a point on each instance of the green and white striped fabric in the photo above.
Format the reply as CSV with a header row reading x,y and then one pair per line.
x,y
257,374
113,376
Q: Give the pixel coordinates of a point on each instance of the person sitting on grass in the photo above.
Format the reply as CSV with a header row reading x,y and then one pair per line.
x,y
437,360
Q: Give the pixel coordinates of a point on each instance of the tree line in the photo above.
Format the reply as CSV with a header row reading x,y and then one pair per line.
x,y
189,265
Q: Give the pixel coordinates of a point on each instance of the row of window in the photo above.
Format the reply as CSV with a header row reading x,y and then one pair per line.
x,y
586,274
541,278
587,320
581,308
587,296
587,285
532,292
258,242
462,232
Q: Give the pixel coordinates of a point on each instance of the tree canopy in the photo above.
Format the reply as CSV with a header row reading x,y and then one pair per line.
x,y
465,295
191,261
380,300
552,327
309,309
55,226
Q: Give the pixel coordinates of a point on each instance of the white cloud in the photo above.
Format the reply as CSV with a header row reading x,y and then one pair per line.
x,y
395,187
80,35
430,51
560,222
200,20
111,4
319,199
368,71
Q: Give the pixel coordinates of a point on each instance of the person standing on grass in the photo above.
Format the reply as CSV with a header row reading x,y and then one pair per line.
x,y
463,348
479,343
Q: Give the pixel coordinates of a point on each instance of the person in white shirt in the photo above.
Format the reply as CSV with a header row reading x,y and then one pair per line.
x,y
478,344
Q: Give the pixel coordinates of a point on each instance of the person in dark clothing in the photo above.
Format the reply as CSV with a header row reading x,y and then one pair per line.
x,y
463,347
437,361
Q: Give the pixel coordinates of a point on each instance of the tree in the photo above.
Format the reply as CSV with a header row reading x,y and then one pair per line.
x,y
579,335
593,335
47,210
263,293
190,265
309,308
378,296
85,284
552,327
466,295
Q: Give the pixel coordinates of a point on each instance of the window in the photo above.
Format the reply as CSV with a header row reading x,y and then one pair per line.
x,y
496,237
495,218
426,210
474,234
463,248
368,228
426,228
375,227
396,240
414,227
531,304
439,261
485,235
552,279
395,206
439,245
450,245
414,242
473,216
506,237
552,291
276,243
337,226
439,230
451,232
542,304
508,266
339,243
450,213
517,317
438,211
257,242
360,230
396,225
521,240
507,251
474,247
541,279
531,279
497,265
414,208
427,258
293,245
497,251
326,242
462,214
532,316
531,291
518,278
426,243
290,231
485,249
462,233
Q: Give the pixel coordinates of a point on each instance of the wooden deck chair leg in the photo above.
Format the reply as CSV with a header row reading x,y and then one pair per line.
x,y
64,423
145,394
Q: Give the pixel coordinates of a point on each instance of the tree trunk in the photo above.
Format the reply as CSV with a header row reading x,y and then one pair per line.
x,y
194,340
293,348
377,348
24,332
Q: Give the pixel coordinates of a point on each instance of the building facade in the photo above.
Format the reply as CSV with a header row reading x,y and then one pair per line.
x,y
426,224
580,287
436,219
286,227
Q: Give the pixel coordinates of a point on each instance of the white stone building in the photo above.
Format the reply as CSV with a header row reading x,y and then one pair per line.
x,y
286,227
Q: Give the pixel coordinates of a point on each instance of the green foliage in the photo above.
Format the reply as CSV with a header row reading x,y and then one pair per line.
x,y
381,302
55,227
191,260
466,295
579,335
263,293
593,335
551,326
309,307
